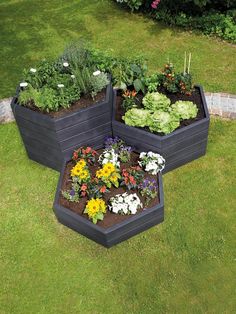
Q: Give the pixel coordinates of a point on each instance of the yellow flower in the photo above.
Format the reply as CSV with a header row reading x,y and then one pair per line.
x,y
94,207
109,167
81,163
99,173
83,174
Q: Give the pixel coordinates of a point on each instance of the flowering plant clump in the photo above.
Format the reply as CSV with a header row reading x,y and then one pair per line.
x,y
148,189
119,146
109,156
86,153
81,171
125,204
131,177
152,162
92,177
109,175
95,208
129,99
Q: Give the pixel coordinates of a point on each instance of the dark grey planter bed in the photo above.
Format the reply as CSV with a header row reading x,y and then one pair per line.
x,y
50,141
178,147
118,232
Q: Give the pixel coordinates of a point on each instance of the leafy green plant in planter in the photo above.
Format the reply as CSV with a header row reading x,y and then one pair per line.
x,y
159,115
155,101
56,84
184,109
176,82
129,99
163,122
137,117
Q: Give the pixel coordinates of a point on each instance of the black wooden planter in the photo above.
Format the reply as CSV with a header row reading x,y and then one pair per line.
x,y
50,141
117,233
178,147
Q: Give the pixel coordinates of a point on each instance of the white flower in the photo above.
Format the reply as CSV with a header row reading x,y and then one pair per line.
x,y
23,84
96,73
125,204
32,70
142,155
72,76
60,85
65,64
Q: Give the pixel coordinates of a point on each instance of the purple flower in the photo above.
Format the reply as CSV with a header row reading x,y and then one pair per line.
x,y
72,193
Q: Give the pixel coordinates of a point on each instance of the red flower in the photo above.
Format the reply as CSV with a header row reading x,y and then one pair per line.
x,y
132,180
125,173
84,187
75,155
126,180
88,150
103,189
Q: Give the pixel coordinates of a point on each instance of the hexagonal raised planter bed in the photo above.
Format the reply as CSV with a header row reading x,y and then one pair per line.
x,y
50,140
114,228
179,147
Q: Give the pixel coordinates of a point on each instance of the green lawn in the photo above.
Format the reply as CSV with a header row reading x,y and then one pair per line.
x,y
185,265
32,30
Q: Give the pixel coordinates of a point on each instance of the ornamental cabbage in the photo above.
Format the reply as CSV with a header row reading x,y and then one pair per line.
x,y
163,122
156,101
185,109
136,117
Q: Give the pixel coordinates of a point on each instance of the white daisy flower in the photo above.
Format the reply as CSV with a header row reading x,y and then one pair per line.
x,y
23,84
96,73
65,64
60,85
72,76
32,70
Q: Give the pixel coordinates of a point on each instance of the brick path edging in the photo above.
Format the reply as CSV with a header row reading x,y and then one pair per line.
x,y
220,104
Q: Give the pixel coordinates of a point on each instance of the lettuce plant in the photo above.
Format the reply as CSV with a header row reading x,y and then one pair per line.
x,y
185,109
163,122
137,117
156,101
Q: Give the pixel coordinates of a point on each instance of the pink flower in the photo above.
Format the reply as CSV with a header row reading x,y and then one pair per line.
x,y
155,4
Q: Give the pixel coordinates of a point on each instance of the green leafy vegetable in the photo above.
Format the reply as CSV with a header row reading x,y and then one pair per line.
x,y
136,117
156,101
163,122
185,109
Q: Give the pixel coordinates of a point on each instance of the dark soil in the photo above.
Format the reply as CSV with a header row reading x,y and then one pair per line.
x,y
84,102
110,219
195,97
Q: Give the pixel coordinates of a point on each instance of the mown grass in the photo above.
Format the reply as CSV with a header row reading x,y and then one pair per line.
x,y
32,30
185,265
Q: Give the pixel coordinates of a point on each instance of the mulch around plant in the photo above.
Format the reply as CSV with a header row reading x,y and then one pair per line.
x,y
110,219
195,97
84,102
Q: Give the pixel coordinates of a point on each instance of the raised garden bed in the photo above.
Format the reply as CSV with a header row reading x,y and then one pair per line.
x,y
114,227
183,145
51,138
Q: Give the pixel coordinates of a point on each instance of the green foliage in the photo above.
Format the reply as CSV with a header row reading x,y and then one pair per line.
x,y
163,122
48,99
212,17
185,109
155,101
152,82
136,117
98,82
175,82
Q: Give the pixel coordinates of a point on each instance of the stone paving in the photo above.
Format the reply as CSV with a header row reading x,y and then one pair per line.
x,y
220,104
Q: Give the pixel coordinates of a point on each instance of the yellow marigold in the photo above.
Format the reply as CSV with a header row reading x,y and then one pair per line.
x,y
94,207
